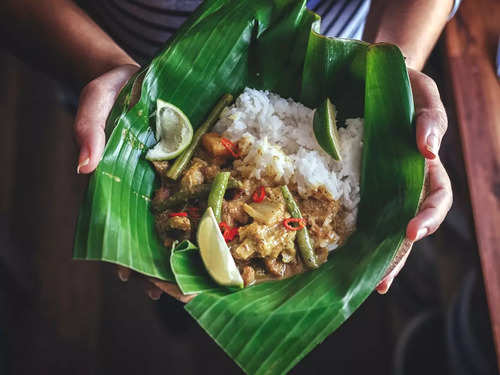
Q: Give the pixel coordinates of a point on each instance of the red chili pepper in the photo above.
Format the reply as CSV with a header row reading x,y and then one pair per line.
x,y
259,194
301,223
230,146
223,226
227,232
230,234
182,214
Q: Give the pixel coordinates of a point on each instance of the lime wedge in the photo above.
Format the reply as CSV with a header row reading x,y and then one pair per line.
x,y
325,129
215,253
173,132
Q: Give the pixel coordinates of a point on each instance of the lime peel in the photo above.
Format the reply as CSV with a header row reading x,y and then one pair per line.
x,y
325,129
215,253
173,132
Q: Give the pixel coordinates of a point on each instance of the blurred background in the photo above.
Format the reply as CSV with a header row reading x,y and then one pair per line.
x,y
59,316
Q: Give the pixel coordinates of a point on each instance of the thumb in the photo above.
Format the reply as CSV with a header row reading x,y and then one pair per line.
x,y
95,104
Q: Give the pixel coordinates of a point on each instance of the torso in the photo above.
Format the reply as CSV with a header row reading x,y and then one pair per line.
x,y
141,27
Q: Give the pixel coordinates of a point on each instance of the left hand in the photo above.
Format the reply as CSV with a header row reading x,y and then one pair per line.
x,y
154,288
96,100
431,123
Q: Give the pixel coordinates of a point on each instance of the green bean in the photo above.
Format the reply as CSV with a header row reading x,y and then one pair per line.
x,y
182,161
303,240
198,191
217,192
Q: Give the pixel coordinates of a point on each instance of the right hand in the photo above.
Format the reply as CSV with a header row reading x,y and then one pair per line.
x,y
95,104
431,125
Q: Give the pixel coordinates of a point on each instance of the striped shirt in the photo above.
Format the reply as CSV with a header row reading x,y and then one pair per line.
x,y
141,27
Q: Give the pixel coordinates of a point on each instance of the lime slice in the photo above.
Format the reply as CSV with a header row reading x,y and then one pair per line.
x,y
325,129
215,253
173,132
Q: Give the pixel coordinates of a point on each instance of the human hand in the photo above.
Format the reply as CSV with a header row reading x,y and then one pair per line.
x,y
96,101
431,124
155,287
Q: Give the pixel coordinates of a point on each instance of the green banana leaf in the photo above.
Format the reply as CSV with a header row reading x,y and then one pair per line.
x,y
273,45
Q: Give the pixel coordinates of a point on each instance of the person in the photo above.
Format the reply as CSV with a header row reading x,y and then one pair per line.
x,y
96,46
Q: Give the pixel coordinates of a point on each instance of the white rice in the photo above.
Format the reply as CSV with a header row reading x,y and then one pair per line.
x,y
282,141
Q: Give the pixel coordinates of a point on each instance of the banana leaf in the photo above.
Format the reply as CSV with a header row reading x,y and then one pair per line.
x,y
273,45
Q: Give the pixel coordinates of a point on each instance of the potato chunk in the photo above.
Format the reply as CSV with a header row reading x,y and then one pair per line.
x,y
212,143
266,212
179,223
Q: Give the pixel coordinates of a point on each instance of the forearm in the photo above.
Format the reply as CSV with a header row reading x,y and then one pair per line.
x,y
60,38
413,25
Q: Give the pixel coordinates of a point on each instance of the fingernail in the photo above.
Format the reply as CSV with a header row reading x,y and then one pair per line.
x,y
154,294
386,288
82,164
421,234
433,144
123,276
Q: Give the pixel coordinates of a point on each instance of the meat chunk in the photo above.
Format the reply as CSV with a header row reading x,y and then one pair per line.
x,y
324,219
286,257
161,224
194,175
210,171
212,143
159,197
275,267
161,168
265,241
233,212
248,275
179,223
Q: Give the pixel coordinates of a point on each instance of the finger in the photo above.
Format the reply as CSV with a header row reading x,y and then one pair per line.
x,y
153,292
172,290
435,206
94,106
123,273
430,115
386,282
96,101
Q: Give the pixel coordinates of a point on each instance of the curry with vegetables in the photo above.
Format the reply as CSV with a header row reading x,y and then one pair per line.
x,y
271,230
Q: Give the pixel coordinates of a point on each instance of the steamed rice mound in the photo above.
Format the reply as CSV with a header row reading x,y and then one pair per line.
x,y
281,144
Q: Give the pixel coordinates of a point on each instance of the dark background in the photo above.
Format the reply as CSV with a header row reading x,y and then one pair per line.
x,y
59,316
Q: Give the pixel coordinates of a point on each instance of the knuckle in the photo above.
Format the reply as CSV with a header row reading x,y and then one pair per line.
x,y
81,128
446,200
429,82
442,119
432,84
435,117
434,226
79,132
96,85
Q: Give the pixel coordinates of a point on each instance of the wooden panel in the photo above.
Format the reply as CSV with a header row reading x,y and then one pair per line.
x,y
53,302
471,40
9,73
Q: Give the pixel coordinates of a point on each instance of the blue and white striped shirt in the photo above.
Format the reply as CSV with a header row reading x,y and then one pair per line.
x,y
142,26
